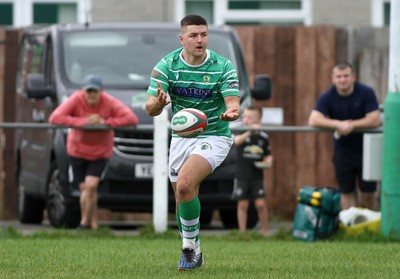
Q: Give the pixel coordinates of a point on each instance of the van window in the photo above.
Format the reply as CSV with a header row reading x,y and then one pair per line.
x,y
124,59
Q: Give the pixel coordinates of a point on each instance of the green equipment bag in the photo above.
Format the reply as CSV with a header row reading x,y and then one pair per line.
x,y
317,213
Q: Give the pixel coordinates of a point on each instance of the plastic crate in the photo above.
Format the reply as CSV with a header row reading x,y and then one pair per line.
x,y
373,226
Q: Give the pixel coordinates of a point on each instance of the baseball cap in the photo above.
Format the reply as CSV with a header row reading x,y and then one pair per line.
x,y
92,82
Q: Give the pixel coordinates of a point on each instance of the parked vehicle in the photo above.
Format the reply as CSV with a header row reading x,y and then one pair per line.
x,y
53,61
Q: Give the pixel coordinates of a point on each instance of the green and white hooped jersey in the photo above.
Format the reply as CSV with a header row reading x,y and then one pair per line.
x,y
202,86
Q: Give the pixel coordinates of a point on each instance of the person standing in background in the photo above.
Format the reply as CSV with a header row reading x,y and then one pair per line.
x,y
89,150
346,106
253,156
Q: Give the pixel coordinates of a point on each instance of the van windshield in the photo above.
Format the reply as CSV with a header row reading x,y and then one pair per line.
x,y
124,59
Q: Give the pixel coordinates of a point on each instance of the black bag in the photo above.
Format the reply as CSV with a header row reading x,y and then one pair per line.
x,y
317,213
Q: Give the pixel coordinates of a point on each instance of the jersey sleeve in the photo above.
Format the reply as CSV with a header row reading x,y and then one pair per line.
x,y
229,82
159,73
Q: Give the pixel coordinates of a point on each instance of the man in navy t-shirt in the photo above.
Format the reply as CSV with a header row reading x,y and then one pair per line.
x,y
346,106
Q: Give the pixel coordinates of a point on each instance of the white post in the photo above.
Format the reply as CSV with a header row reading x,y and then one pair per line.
x,y
84,11
220,8
160,172
23,13
180,7
394,49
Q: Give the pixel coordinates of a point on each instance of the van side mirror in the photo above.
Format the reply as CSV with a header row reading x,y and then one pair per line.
x,y
37,88
262,88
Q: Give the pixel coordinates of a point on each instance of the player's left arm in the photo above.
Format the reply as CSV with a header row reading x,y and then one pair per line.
x,y
232,112
230,92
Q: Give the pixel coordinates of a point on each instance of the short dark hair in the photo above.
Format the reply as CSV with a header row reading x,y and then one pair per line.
x,y
343,65
258,109
193,20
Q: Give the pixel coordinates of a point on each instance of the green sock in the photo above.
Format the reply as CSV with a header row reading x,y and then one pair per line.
x,y
189,213
178,221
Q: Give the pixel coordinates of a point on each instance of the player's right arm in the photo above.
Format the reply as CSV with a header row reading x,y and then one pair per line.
x,y
157,98
156,104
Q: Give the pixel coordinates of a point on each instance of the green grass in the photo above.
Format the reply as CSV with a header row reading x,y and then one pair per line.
x,y
101,254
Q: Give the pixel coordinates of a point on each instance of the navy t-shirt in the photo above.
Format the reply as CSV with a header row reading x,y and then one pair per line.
x,y
354,106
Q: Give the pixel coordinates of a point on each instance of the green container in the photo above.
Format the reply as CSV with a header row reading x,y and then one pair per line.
x,y
317,213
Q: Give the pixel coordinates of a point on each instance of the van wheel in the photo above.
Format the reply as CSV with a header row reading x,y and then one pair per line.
x,y
229,218
30,209
62,212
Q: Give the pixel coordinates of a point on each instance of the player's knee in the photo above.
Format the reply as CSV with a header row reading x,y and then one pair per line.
x,y
183,187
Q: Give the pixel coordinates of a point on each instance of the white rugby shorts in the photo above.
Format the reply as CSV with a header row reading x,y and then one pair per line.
x,y
213,148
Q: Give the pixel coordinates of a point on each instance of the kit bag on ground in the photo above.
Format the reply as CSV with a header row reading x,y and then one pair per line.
x,y
317,213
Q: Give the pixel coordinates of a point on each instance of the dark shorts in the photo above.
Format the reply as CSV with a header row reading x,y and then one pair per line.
x,y
348,171
248,189
82,168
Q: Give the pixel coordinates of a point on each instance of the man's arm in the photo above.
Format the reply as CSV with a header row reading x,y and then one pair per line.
x,y
121,115
341,127
371,120
232,112
344,127
153,107
240,139
318,119
64,113
156,104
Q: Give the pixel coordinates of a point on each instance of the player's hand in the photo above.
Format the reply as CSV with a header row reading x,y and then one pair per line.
x,y
230,115
161,96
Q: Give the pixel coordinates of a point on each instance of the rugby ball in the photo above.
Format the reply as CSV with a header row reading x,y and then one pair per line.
x,y
189,123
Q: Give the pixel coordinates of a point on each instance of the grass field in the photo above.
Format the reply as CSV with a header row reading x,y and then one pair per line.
x,y
101,254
